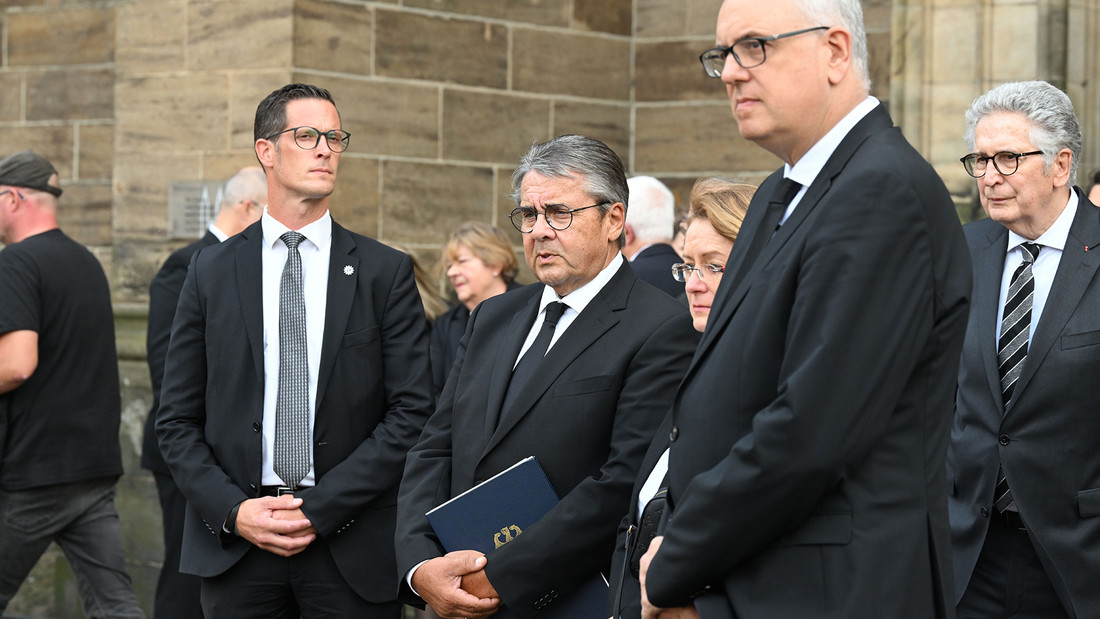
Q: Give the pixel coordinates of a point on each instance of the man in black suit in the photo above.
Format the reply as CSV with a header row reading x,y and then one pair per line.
x,y
587,411
242,203
650,219
296,379
806,473
1023,459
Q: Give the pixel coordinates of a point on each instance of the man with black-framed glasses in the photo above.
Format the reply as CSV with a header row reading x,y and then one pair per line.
x,y
296,379
1023,462
577,371
808,438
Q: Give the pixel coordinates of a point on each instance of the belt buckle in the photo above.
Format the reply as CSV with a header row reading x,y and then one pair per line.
x,y
281,490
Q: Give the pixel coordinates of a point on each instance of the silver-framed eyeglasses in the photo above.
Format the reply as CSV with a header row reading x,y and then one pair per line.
x,y
748,52
557,216
307,138
682,271
1005,162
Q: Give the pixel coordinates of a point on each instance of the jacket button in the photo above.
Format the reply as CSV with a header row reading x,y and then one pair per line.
x,y
1004,440
675,432
985,513
255,426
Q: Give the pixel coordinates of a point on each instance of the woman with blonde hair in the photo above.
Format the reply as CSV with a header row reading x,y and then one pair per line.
x,y
714,218
480,262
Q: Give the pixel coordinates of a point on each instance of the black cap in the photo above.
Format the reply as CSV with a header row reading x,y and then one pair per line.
x,y
28,169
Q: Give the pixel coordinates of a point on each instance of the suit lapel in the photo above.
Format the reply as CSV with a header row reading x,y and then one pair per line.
x,y
340,297
250,289
507,354
988,269
587,327
729,297
1076,270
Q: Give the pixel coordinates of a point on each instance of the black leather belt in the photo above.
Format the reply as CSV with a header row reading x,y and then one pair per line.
x,y
1007,519
277,490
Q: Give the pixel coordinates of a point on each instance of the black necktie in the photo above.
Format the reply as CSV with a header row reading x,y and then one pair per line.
x,y
531,360
778,204
1012,346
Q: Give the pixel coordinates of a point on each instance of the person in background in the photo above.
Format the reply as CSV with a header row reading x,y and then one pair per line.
x,y
650,218
1093,192
479,262
1023,464
717,209
60,407
243,201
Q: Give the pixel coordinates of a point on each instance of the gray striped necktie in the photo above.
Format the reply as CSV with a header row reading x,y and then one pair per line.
x,y
291,457
1012,347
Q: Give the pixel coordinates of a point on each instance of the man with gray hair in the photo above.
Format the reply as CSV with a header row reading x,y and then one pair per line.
x,y
242,203
808,439
650,218
1023,462
577,372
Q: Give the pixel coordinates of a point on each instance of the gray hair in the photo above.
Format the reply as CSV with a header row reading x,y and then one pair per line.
x,y
652,209
571,156
248,184
846,13
1049,111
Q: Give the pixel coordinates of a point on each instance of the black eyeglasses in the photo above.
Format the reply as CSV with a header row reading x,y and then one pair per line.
x,y
1006,162
749,53
307,138
681,271
557,216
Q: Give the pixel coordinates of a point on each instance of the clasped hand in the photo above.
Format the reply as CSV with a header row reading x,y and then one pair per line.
x,y
275,524
456,587
649,611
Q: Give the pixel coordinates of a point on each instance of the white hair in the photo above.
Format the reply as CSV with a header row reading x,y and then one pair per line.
x,y
652,209
248,184
1054,126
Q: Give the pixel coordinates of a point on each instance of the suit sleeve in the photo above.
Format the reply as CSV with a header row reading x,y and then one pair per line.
x,y
861,303
164,294
181,420
373,469
575,540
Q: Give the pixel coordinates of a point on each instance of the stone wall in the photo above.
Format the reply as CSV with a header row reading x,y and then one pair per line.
x,y
441,98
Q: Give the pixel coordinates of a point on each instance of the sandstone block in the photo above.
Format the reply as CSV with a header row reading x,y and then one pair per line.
x,y
583,65
332,37
442,49
423,202
70,94
355,202
671,71
246,34
54,142
63,35
95,152
150,36
11,88
84,212
610,16
541,12
608,123
490,127
246,90
695,138
177,112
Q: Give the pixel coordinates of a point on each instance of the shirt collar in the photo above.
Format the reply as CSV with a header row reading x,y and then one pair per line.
x,y
216,231
1058,232
810,165
581,297
318,233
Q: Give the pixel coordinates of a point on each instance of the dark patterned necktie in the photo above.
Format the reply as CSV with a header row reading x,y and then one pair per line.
x,y
1012,347
291,458
780,200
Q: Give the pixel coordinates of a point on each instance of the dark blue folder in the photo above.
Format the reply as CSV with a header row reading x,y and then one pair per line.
x,y
494,512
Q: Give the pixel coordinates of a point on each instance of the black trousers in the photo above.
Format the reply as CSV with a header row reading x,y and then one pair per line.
x,y
177,594
1009,581
306,585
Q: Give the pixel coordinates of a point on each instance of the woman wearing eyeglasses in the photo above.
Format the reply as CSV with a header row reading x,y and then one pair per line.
x,y
717,210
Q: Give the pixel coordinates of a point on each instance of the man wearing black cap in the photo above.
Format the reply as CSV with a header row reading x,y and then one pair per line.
x,y
59,398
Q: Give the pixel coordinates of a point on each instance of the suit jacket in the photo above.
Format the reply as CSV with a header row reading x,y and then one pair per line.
x,y
373,396
1047,436
653,265
164,294
587,418
806,476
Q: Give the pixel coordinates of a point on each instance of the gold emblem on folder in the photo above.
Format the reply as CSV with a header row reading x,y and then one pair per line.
x,y
505,535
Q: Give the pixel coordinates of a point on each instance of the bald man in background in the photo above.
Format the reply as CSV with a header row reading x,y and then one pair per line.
x,y
242,203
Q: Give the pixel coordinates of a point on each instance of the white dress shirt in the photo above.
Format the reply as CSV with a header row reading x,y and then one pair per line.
x,y
1052,243
314,250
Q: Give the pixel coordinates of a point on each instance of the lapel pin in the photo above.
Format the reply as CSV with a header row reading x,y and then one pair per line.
x,y
349,270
